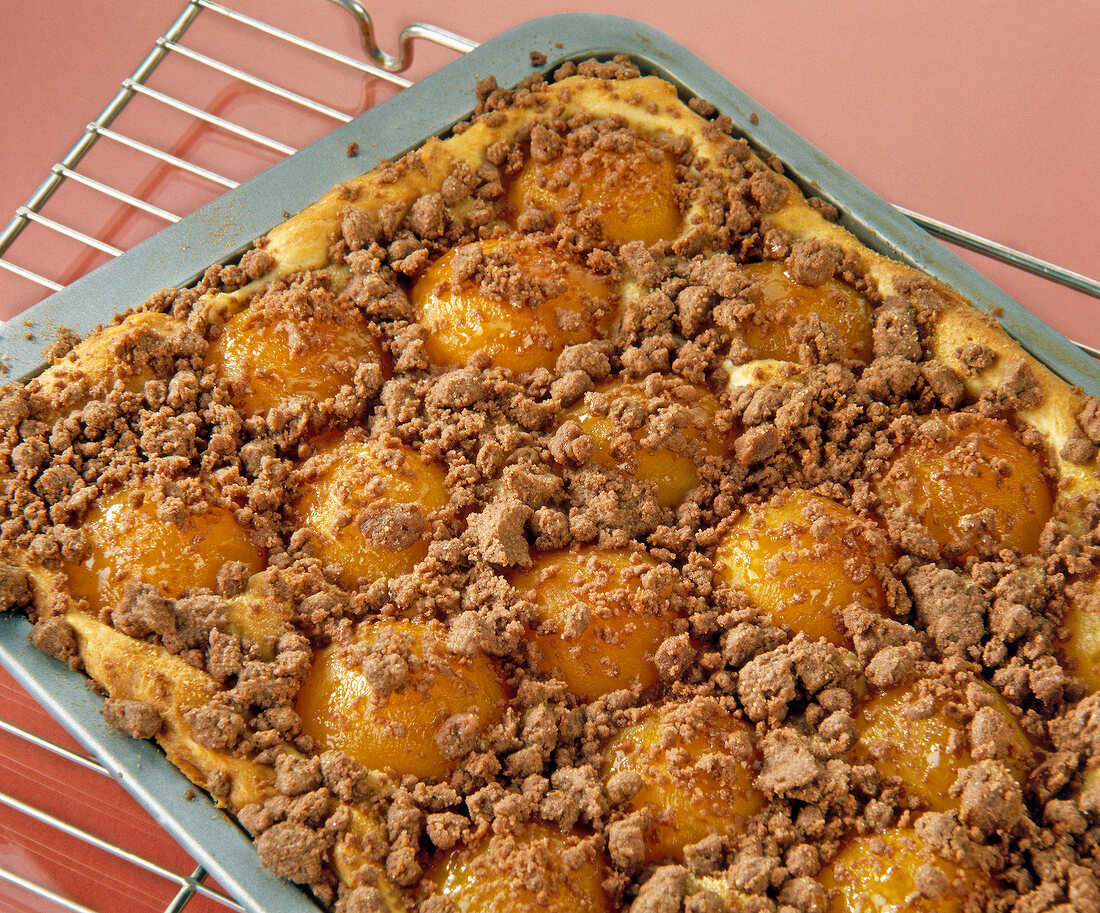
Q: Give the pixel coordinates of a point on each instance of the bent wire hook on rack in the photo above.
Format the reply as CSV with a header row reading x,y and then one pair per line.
x,y
383,66
378,65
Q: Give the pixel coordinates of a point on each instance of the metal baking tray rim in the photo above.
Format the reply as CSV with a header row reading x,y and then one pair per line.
x,y
221,230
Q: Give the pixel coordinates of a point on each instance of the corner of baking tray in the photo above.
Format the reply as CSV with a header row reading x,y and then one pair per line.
x,y
206,833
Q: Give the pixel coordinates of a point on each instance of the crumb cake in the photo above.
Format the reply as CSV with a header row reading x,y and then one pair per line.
x,y
572,515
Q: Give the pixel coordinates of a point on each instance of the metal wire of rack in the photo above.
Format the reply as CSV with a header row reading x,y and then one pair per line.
x,y
379,66
192,890
188,885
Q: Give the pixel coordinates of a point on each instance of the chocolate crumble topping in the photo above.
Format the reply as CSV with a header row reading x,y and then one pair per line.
x,y
431,617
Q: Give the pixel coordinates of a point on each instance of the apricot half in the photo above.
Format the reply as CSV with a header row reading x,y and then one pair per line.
x,y
603,614
132,544
804,560
879,874
696,762
396,698
535,867
517,302
275,351
370,506
787,311
621,194
660,441
973,485
1081,628
918,740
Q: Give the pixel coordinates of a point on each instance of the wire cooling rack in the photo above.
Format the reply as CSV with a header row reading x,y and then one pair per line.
x,y
209,107
214,87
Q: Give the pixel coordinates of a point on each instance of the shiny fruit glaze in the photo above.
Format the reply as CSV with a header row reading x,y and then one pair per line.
x,y
973,485
631,191
668,444
1080,638
804,561
698,774
341,708
533,868
133,545
925,746
878,874
773,332
621,600
465,319
357,490
275,358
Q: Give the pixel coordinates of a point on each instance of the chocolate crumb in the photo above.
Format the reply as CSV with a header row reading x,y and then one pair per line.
x,y
138,719
292,851
663,892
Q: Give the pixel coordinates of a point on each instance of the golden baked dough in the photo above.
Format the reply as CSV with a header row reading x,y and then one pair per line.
x,y
573,515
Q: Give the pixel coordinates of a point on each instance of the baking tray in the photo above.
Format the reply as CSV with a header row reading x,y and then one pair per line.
x,y
224,228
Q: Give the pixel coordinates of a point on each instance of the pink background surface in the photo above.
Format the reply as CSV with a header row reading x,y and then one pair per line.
x,y
985,115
